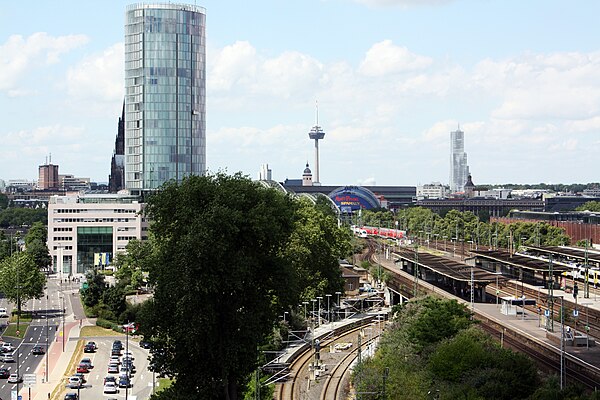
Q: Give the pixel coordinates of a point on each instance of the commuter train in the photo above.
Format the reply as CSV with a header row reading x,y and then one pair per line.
x,y
364,231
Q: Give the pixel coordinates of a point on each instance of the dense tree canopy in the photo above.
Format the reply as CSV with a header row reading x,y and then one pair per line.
x,y
227,257
35,244
20,279
593,206
16,216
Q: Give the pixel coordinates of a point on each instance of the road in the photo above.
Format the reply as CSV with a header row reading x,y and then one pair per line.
x,y
43,329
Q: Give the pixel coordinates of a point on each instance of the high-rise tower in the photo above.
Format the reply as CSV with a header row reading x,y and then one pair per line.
x,y
316,133
165,94
459,170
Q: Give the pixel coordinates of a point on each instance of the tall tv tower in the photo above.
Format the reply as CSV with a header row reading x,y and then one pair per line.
x,y
316,133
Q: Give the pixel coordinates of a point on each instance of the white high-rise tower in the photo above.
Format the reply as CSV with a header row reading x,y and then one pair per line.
x,y
459,170
316,133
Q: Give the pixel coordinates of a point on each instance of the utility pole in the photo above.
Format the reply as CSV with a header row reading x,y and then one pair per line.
x,y
586,286
415,291
551,293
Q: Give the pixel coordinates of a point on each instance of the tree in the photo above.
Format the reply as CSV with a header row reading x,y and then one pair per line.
x,y
130,264
20,279
3,201
92,295
220,278
593,206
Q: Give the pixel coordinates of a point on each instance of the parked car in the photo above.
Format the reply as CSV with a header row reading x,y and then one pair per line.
x,y
3,313
124,382
93,344
74,382
37,350
145,345
89,348
7,357
4,373
71,396
80,375
118,343
110,378
83,368
87,362
14,378
110,387
113,368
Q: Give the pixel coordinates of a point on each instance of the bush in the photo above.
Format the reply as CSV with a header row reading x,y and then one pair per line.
x,y
109,325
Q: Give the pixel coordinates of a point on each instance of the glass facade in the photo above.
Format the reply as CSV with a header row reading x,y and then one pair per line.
x,y
90,240
165,94
459,170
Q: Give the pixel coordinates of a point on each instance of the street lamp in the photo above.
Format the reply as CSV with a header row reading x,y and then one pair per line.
x,y
328,314
305,304
319,311
338,303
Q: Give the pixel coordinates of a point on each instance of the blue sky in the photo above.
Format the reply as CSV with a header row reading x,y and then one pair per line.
x,y
392,79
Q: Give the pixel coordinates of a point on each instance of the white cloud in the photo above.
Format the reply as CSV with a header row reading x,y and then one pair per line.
x,y
385,58
19,55
98,78
233,64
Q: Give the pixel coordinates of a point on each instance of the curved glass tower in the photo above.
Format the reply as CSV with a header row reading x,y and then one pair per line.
x,y
165,94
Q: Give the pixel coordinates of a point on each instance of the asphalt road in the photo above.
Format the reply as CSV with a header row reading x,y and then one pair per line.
x,y
94,387
42,331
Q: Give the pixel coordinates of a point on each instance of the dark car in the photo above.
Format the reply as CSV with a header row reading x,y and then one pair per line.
x,y
124,382
115,352
4,373
37,350
145,345
71,396
89,348
118,344
87,362
110,378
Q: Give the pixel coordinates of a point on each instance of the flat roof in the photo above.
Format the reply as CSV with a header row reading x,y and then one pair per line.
x,y
450,268
593,256
518,261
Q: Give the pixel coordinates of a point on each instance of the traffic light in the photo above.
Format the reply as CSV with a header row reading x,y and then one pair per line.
x,y
575,291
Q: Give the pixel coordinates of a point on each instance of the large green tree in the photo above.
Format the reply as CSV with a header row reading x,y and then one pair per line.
x,y
20,279
220,280
35,244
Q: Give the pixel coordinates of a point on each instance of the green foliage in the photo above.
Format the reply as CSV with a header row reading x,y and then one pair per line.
x,y
92,295
3,201
131,263
39,252
313,250
220,277
20,279
6,243
432,351
266,392
593,206
15,216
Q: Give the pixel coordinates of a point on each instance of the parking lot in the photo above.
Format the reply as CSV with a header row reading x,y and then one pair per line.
x,y
142,379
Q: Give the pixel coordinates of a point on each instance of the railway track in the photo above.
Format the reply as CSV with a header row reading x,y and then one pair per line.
x,y
334,384
298,369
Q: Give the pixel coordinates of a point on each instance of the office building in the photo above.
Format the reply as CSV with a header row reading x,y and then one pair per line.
x,y
165,94
48,177
81,226
459,170
433,190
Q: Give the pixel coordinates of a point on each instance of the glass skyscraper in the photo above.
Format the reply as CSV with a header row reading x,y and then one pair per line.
x,y
459,170
165,94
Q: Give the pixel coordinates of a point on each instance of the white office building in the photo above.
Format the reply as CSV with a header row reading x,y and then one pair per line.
x,y
434,190
82,226
459,170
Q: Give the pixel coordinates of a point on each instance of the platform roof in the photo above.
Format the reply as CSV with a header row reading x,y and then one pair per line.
x,y
570,252
519,261
447,267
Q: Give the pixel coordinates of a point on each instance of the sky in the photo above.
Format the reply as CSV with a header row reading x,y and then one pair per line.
x,y
392,79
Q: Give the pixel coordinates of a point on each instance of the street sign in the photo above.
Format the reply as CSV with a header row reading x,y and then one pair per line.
x,y
575,313
29,380
546,313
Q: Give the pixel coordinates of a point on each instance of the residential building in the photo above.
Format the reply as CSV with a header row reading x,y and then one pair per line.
x,y
459,170
165,94
81,226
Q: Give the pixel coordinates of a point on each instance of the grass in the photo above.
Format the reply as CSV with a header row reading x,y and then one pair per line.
x,y
93,331
25,317
11,330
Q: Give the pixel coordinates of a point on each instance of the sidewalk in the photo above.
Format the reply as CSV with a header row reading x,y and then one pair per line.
x,y
58,361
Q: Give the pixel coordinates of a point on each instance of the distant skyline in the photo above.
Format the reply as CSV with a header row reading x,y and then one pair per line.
x,y
392,78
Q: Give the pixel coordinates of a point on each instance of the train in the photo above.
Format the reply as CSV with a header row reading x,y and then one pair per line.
x,y
364,231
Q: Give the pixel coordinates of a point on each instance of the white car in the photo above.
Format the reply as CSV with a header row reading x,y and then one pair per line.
x,y
110,387
74,382
7,357
7,346
14,378
3,313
